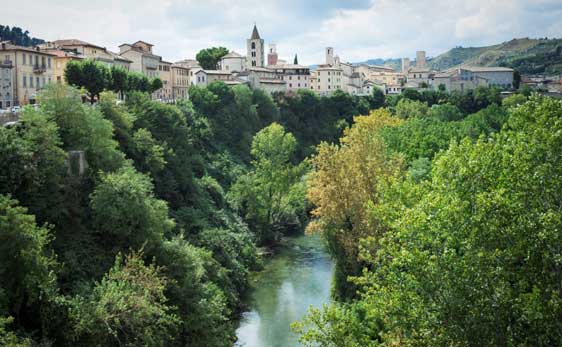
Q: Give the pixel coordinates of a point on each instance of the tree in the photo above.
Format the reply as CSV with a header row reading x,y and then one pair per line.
x,y
155,85
119,80
209,58
296,60
516,79
34,165
477,247
9,338
81,127
127,308
408,108
26,264
126,213
376,99
95,78
73,73
271,195
347,178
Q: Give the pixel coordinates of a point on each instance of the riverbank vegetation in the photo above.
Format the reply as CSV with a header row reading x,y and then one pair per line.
x,y
445,226
137,223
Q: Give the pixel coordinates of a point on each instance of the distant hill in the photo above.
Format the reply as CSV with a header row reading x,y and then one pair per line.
x,y
528,56
18,36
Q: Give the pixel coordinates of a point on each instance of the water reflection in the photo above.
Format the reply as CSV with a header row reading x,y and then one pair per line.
x,y
297,277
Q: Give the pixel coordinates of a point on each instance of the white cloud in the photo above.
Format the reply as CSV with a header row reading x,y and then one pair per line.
x,y
357,30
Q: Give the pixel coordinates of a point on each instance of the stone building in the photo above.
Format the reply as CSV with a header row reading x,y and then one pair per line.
x,y
296,76
255,49
142,58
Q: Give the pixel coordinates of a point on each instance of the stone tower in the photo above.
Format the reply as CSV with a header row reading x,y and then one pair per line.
x,y
420,59
405,65
255,45
329,56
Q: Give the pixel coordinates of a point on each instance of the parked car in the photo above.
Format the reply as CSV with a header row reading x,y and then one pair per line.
x,y
16,109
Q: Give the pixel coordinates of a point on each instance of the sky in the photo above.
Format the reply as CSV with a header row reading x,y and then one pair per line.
x,y
357,29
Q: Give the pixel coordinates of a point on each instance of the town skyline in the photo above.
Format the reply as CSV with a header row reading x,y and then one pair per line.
x,y
179,29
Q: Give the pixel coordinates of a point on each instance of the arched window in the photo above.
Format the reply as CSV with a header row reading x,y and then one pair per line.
x,y
253,45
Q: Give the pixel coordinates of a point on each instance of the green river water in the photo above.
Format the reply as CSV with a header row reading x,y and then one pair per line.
x,y
297,276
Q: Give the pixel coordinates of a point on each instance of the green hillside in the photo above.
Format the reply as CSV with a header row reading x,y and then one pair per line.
x,y
529,56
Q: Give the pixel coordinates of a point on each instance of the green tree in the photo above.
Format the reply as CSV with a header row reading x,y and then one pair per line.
x,y
209,58
95,78
73,74
125,212
126,308
271,195
27,266
376,99
119,80
407,108
155,85
476,247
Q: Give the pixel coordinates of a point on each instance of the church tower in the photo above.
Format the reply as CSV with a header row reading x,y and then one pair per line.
x,y
255,44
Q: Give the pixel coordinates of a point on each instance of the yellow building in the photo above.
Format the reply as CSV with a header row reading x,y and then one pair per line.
x,y
165,74
180,81
30,69
62,58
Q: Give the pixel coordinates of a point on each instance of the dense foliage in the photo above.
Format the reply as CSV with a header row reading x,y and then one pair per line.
x,y
209,58
466,253
18,36
138,223
96,77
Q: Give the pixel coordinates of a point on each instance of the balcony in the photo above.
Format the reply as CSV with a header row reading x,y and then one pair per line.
x,y
39,68
6,63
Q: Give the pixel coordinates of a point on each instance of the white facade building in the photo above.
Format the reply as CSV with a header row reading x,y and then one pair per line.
x,y
233,62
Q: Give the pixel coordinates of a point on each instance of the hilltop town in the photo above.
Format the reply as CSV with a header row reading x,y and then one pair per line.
x,y
25,70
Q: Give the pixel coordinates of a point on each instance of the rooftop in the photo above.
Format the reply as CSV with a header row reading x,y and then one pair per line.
x,y
486,69
9,47
214,72
233,55
75,42
255,34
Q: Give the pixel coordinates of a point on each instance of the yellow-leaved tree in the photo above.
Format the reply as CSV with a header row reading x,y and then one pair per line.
x,y
346,178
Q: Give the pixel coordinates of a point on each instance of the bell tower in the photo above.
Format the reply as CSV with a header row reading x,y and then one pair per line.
x,y
255,46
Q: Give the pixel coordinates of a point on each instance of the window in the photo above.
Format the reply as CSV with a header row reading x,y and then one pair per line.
x,y
31,81
49,62
25,81
290,85
24,58
37,82
36,60
253,45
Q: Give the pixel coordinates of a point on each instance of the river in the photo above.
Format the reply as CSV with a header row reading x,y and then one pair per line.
x,y
297,276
